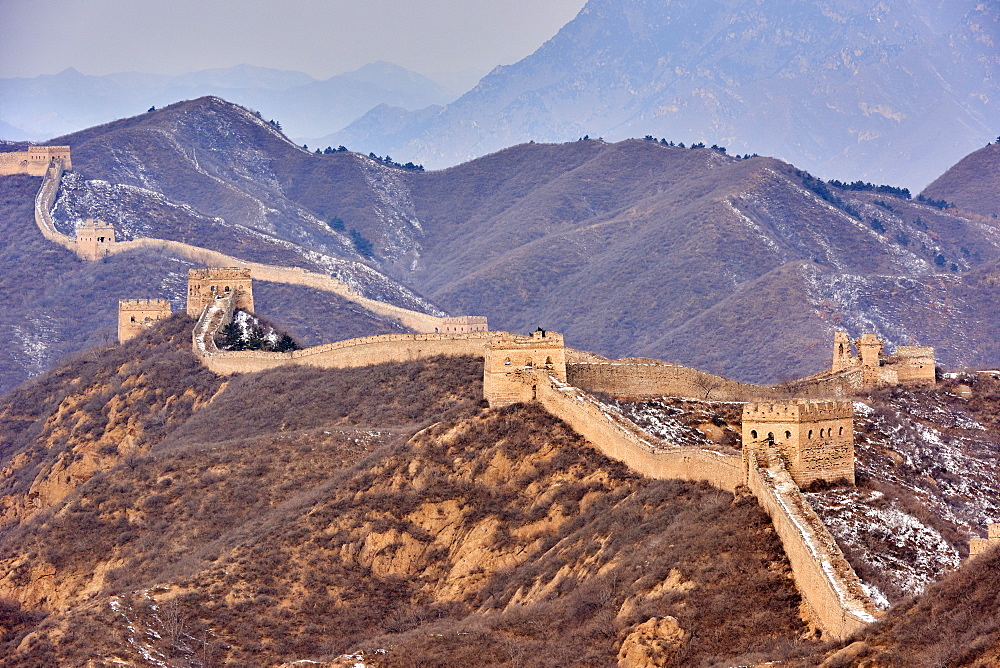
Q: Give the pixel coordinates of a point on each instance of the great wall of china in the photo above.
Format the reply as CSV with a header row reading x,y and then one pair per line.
x,y
540,368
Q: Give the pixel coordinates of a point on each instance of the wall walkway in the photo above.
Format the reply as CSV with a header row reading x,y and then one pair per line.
x,y
829,586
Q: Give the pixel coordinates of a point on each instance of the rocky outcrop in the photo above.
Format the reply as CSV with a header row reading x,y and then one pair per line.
x,y
651,644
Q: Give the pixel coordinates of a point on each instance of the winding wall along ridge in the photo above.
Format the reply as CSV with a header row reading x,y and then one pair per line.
x,y
828,585
45,199
826,581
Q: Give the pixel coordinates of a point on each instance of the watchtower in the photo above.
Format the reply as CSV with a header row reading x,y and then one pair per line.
x,y
815,438
842,355
94,239
205,285
515,364
136,315
870,351
979,545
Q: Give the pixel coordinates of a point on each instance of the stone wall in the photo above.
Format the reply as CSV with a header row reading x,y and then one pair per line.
x,y
415,320
351,353
622,440
828,584
44,201
647,380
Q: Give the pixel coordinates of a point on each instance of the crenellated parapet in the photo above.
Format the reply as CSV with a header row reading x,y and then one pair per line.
x,y
463,324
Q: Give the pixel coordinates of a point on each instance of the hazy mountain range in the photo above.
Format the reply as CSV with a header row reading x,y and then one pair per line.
x,y
45,106
892,92
739,266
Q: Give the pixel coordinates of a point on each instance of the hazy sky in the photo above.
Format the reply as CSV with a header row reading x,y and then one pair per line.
x,y
318,37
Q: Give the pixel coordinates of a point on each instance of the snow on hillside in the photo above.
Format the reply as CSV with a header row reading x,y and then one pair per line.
x,y
140,213
394,208
927,474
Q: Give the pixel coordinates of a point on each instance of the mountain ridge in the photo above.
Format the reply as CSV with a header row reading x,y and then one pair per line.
x,y
756,78
546,235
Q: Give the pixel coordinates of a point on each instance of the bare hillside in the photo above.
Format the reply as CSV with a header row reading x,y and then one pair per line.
x,y
377,510
973,183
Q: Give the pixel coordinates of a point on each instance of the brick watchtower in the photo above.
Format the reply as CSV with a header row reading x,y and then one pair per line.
x,y
94,239
137,315
204,285
515,364
815,438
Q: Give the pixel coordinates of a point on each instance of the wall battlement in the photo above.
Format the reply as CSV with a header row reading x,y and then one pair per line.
x,y
798,409
35,161
463,324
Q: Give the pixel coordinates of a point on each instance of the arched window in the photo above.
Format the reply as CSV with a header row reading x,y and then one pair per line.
x,y
810,435
788,434
227,288
841,432
841,352
133,318
753,434
548,361
529,365
506,362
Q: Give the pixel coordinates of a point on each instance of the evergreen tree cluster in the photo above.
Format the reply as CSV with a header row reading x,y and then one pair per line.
x,y
936,203
820,187
714,147
234,337
881,189
388,161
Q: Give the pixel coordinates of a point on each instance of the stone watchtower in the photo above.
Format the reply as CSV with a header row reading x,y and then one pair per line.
x,y
137,315
815,438
979,545
94,238
842,356
205,285
870,352
515,364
